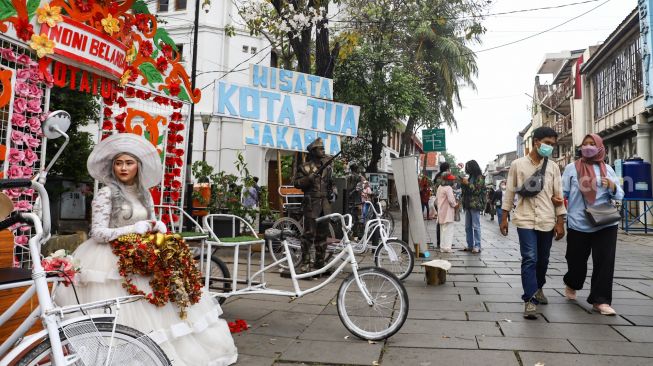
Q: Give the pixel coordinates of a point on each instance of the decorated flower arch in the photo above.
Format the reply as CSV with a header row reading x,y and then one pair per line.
x,y
112,49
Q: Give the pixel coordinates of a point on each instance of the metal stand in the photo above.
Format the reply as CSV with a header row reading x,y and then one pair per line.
x,y
630,220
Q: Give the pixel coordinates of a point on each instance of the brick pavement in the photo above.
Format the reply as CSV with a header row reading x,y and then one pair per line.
x,y
473,319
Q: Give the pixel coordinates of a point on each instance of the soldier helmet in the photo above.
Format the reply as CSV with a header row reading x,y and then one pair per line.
x,y
315,144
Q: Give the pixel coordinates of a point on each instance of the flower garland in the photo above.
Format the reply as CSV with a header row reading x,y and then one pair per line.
x,y
238,326
26,134
167,258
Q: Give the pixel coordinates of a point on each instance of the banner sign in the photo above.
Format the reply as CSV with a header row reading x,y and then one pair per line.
x,y
85,45
279,108
290,82
645,20
286,138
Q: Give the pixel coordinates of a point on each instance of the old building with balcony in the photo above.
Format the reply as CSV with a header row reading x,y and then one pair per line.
x,y
614,80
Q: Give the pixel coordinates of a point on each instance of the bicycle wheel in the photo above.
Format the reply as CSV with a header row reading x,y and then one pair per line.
x,y
403,266
389,307
219,278
295,245
148,351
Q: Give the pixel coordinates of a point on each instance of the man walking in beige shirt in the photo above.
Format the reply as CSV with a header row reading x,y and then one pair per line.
x,y
539,215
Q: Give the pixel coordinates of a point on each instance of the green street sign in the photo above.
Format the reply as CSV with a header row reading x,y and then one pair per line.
x,y
434,140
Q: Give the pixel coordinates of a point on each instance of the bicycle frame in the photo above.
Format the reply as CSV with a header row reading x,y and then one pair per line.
x,y
260,288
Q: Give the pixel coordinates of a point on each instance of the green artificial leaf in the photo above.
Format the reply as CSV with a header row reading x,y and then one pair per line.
x,y
154,54
151,73
6,9
160,141
183,95
32,5
163,36
140,7
146,134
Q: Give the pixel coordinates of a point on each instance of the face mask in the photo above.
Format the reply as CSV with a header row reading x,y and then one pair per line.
x,y
589,151
545,150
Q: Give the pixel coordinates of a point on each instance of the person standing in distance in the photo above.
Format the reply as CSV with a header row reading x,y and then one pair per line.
x,y
538,218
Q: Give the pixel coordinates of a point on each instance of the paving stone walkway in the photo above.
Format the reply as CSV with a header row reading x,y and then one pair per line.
x,y
473,319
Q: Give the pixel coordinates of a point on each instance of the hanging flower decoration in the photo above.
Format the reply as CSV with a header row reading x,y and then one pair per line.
x,y
63,264
42,45
49,15
238,326
24,29
110,24
168,260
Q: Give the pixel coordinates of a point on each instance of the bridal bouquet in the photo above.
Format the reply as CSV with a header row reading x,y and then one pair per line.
x,y
168,260
63,264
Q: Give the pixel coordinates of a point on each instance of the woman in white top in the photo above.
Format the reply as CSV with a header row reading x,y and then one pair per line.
x,y
128,165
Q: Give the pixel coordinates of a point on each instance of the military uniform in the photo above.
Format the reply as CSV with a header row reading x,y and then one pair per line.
x,y
318,191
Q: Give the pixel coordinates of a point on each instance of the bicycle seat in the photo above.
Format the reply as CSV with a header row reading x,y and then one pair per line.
x,y
276,234
12,275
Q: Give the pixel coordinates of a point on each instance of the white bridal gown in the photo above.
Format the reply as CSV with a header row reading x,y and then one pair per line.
x,y
200,339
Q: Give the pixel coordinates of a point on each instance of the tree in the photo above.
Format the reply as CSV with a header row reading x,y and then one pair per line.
x,y
83,108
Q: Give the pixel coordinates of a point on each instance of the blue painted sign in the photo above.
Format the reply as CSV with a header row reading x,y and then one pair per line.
x,y
645,21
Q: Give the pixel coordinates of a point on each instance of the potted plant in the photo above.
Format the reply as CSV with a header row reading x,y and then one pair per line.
x,y
267,216
202,172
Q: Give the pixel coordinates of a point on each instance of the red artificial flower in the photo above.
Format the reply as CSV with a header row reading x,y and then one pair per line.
x,y
140,94
121,117
176,172
175,116
170,161
120,127
166,50
107,112
161,100
130,92
165,218
142,22
168,176
179,161
107,125
175,184
108,101
84,5
122,103
161,64
176,105
174,87
179,152
174,195
146,48
24,29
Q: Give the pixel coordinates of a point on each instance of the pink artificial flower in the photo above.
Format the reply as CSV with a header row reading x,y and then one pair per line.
x,y
22,205
13,193
30,157
34,124
23,75
21,240
34,91
28,192
32,141
22,89
34,106
18,120
8,54
17,137
15,171
24,228
27,61
20,105
27,171
16,156
44,116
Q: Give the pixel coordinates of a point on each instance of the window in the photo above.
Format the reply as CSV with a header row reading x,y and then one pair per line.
x,y
253,50
618,80
180,4
180,51
245,49
163,5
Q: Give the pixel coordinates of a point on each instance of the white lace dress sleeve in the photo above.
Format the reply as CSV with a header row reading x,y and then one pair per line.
x,y
101,208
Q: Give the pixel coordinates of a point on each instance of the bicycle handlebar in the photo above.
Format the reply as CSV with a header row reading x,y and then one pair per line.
x,y
15,183
45,203
11,220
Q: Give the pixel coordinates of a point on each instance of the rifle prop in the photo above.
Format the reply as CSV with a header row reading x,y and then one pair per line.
x,y
329,162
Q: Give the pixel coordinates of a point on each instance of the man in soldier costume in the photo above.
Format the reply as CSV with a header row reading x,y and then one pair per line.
x,y
318,192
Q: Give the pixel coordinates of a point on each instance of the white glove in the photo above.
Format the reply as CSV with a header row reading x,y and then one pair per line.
x,y
160,227
142,227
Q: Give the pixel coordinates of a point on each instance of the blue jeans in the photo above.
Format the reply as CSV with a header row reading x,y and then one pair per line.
x,y
473,228
499,214
535,248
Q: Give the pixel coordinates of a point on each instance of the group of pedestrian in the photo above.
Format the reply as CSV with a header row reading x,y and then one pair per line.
x,y
540,216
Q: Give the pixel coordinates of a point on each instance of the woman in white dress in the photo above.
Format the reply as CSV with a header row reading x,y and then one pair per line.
x,y
128,165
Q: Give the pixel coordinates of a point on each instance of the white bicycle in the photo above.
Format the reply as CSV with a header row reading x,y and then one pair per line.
x,y
88,339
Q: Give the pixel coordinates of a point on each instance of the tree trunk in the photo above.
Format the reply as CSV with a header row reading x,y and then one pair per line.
x,y
407,136
325,59
377,150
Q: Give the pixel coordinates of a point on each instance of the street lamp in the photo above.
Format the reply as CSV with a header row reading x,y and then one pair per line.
x,y
206,122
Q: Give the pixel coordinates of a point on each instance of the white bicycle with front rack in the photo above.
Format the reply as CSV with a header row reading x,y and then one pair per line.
x,y
87,339
372,302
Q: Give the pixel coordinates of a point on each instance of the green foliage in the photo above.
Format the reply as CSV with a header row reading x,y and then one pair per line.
x,y
32,5
83,108
286,167
140,7
6,9
163,36
357,150
151,73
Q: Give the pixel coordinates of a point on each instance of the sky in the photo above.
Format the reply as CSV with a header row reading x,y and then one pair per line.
x,y
494,113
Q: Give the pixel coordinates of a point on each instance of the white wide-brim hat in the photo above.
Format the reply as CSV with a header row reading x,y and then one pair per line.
x,y
99,162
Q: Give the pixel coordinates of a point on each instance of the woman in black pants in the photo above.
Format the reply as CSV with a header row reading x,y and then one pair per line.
x,y
588,182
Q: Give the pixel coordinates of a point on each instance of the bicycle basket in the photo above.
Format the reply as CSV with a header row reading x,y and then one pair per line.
x,y
92,347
